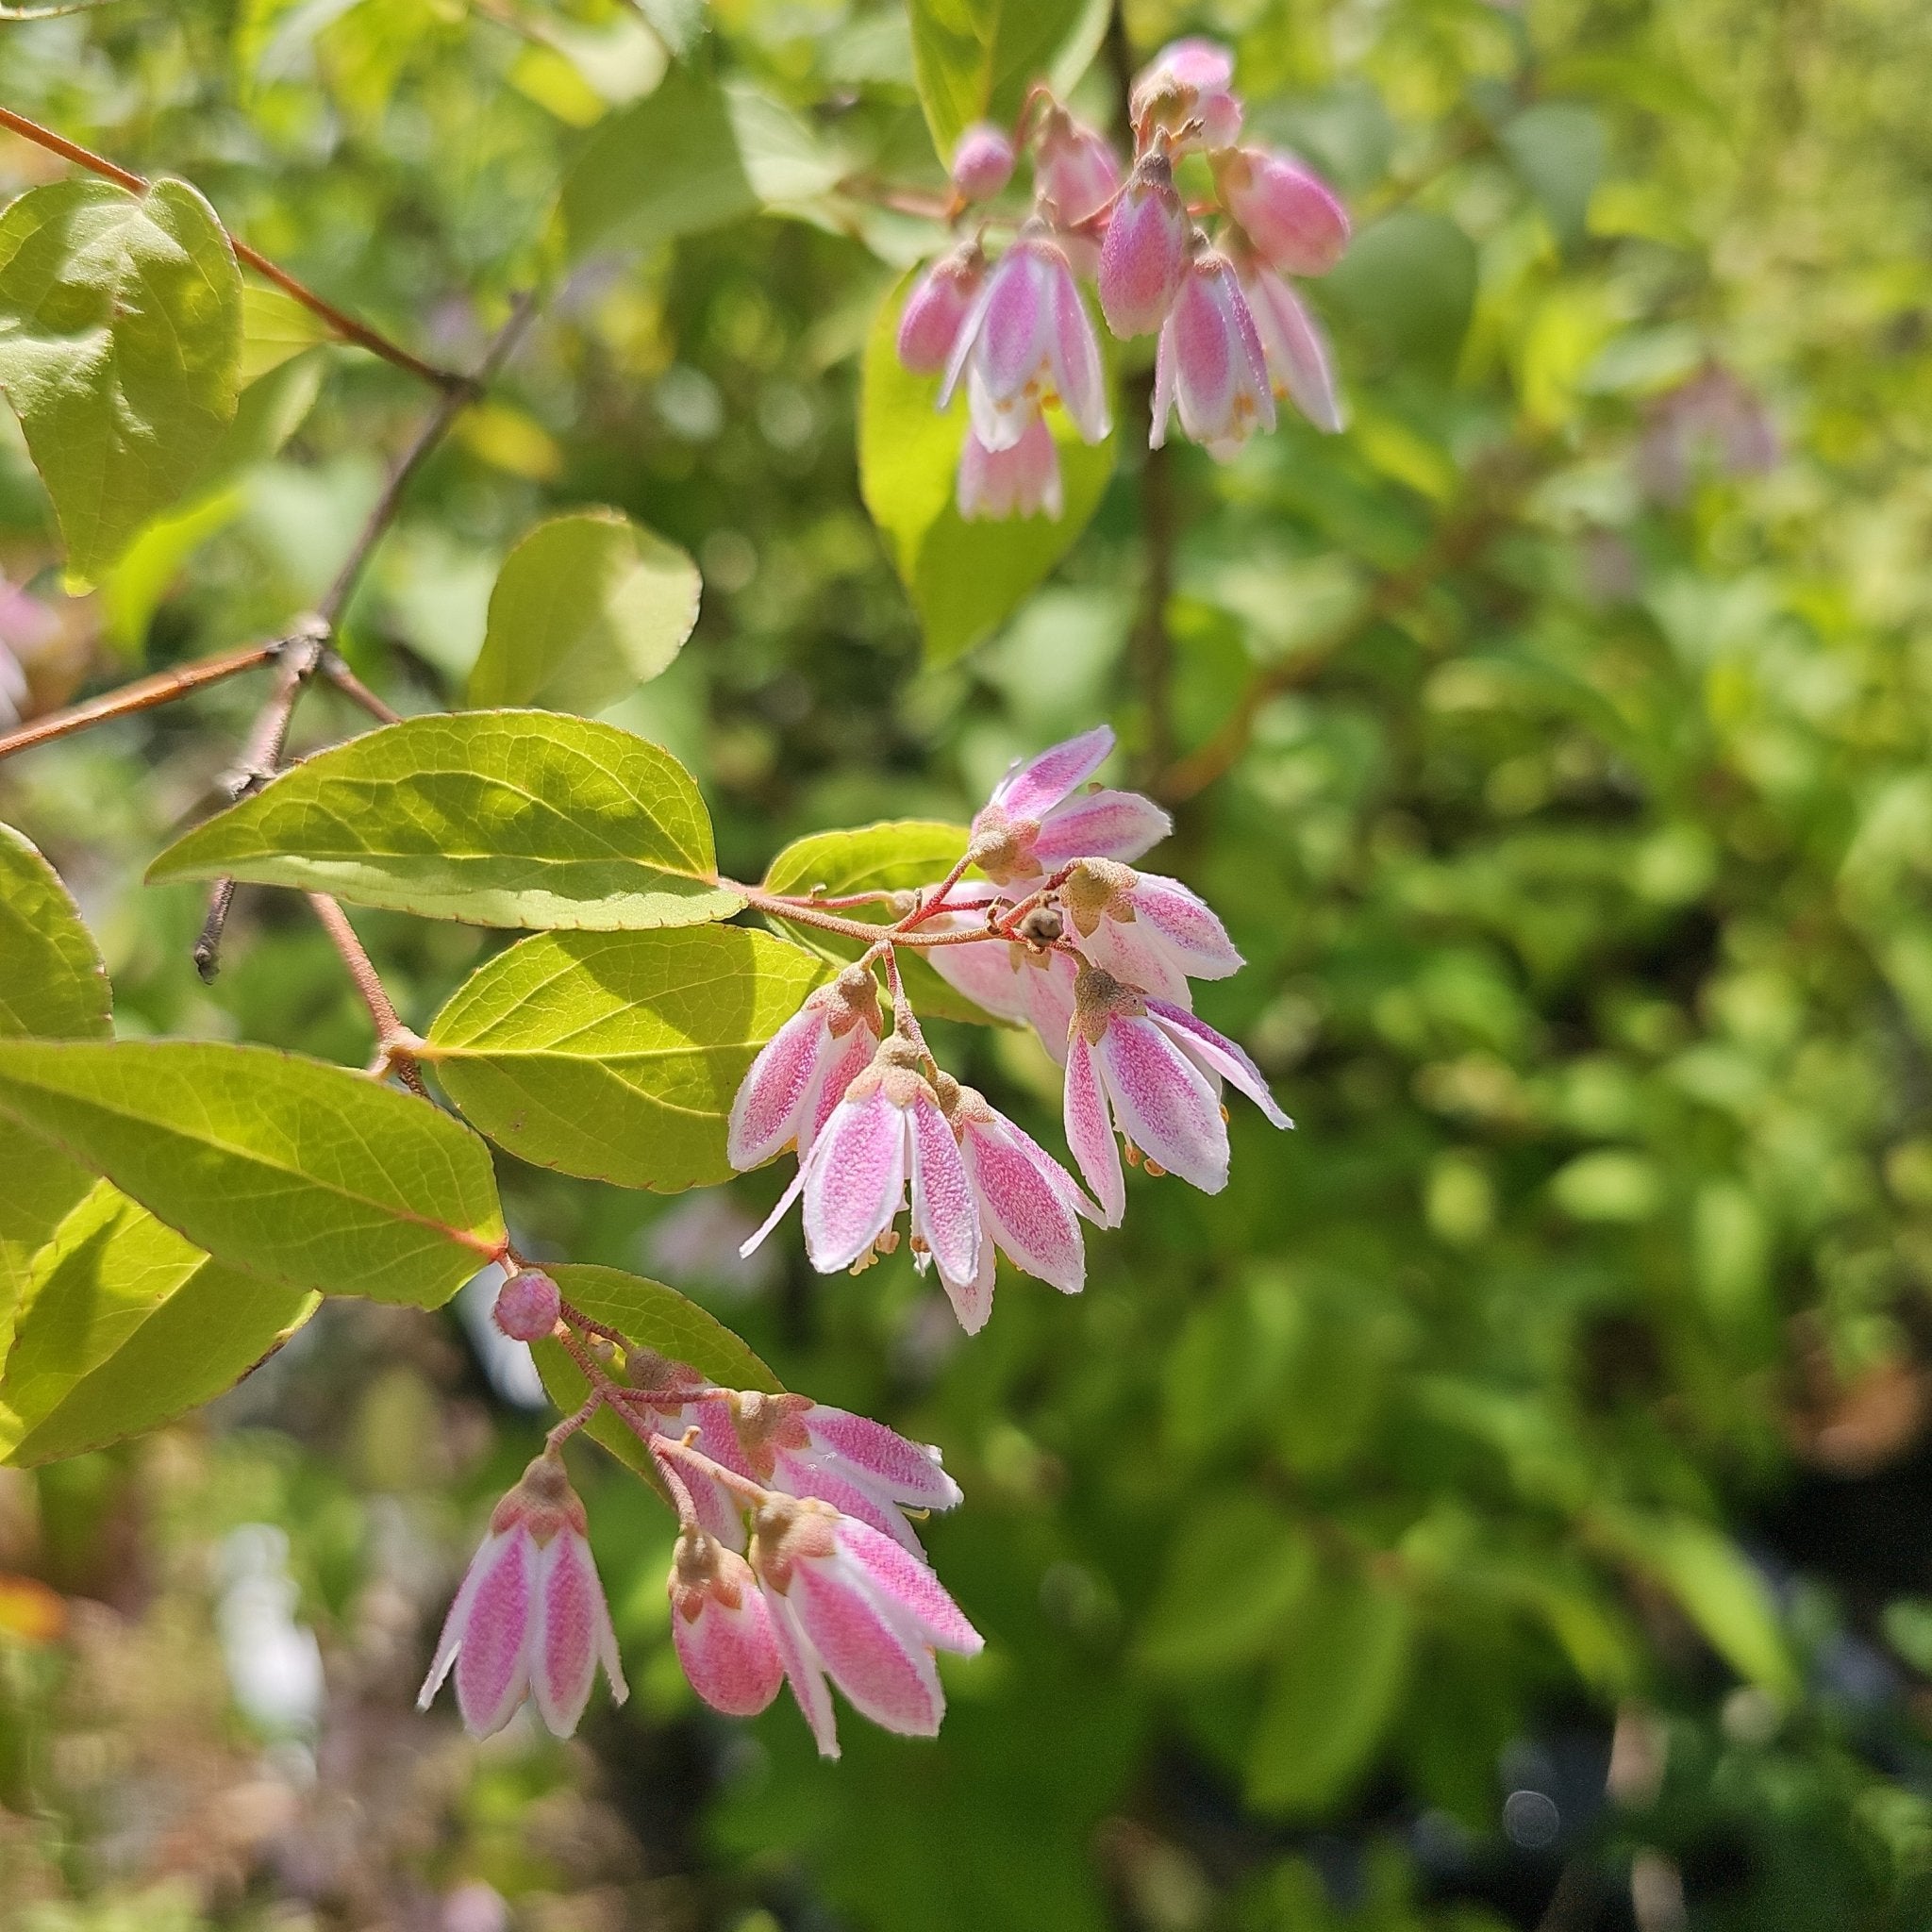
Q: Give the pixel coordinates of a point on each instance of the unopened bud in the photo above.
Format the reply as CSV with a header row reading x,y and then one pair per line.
x,y
1286,210
1145,253
527,1306
982,162
936,309
1041,926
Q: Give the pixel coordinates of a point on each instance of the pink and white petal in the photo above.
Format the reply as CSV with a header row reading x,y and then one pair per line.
x,y
1103,825
719,1513
1215,1053
944,1208
1188,924
909,1586
884,1671
911,1472
1089,1132
804,1671
1137,956
488,1553
769,1105
798,1475
1163,1102
730,1656
1075,356
986,972
1071,1190
493,1660
1028,1212
1031,789
564,1641
1296,351
854,1178
964,344
973,1300
778,1213
1016,325
1162,413
1048,987
999,422
841,1064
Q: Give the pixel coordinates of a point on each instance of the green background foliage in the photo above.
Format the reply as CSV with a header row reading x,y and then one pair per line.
x,y
1557,760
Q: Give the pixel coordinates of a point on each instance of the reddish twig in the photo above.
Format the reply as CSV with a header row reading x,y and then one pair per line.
x,y
394,1043
143,694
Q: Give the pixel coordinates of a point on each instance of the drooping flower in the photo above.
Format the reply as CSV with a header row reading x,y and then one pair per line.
x,y
1285,209
1028,340
1293,345
799,1447
936,308
530,1618
1185,92
1145,253
849,1603
1077,172
1147,931
1038,818
1010,980
1029,1205
1209,363
885,1136
982,162
1155,1070
721,1627
1022,481
802,1071
527,1306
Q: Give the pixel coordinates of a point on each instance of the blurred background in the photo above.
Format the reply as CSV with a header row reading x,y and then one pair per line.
x,y
1507,1505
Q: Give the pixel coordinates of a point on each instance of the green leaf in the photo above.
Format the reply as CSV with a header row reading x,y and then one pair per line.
x,y
53,985
892,857
275,328
1560,149
616,1056
499,818
304,1173
120,340
963,578
1720,1591
693,156
127,1325
976,58
1409,281
654,1317
1235,1574
1343,1655
587,607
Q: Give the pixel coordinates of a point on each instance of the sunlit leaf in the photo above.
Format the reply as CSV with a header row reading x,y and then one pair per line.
x,y
976,58
499,818
305,1172
1720,1591
616,1056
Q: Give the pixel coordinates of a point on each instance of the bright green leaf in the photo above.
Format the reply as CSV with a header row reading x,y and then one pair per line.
x,y
275,328
1234,1575
499,818
976,58
616,1056
120,340
1720,1591
588,607
125,1326
53,985
963,578
305,1172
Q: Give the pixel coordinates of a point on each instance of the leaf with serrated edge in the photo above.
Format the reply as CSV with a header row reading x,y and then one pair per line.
x,y
896,856
305,1172
654,1317
499,818
587,607
127,1325
616,1056
119,346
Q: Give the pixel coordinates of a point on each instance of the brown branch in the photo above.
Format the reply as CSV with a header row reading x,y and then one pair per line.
x,y
347,326
394,1043
143,694
356,691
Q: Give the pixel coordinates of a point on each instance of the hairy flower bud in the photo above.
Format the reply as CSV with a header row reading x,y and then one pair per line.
x,y
1145,253
1184,96
1076,172
982,162
1286,209
527,1306
936,308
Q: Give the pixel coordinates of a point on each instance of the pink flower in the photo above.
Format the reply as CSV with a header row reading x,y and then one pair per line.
x,y
849,1603
1038,818
1292,346
982,162
1184,92
888,1132
1147,931
1286,209
1022,481
1075,169
529,1619
1210,362
1028,342
527,1306
1029,1205
936,308
864,1469
720,1627
1145,253
802,1071
1011,980
1153,1068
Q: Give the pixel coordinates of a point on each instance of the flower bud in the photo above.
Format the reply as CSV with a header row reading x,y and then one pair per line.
x,y
1145,253
982,162
1075,169
527,1306
1184,94
936,309
1286,210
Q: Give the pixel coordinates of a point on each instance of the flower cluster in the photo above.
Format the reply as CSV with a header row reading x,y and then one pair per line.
x,y
796,1557
1232,333
1059,932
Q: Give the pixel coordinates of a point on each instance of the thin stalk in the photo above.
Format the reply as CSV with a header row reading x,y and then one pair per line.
x,y
394,1043
143,694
